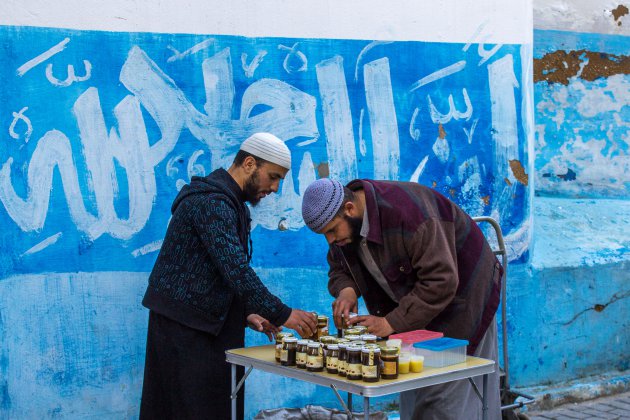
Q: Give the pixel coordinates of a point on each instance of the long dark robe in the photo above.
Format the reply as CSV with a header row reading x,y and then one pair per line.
x,y
185,374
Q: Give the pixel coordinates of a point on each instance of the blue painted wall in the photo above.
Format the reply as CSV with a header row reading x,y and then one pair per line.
x,y
101,129
569,306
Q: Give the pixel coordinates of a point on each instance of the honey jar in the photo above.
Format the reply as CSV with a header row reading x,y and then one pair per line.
x,y
389,357
279,337
371,364
342,359
314,357
288,352
353,367
332,359
300,353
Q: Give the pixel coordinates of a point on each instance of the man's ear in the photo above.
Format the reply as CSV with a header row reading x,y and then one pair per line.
x,y
249,165
350,209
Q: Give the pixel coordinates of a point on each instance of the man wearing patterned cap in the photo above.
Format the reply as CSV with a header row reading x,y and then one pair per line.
x,y
202,290
420,262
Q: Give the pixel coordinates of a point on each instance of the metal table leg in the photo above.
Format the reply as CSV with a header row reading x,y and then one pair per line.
x,y
233,391
366,408
350,402
484,398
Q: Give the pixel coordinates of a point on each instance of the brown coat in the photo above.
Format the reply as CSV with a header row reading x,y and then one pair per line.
x,y
433,256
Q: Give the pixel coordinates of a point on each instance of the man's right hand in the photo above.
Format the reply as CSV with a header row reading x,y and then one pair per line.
x,y
345,303
305,323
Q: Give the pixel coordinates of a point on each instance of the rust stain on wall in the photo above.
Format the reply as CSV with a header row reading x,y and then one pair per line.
x,y
452,192
619,12
441,131
322,170
507,181
559,66
519,172
486,199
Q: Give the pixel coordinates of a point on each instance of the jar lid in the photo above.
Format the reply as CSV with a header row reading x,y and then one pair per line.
x,y
390,351
371,349
283,334
290,339
354,348
313,344
333,347
328,339
342,340
322,318
303,341
367,337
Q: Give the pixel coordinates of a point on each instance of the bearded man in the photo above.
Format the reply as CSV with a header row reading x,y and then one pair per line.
x,y
420,262
202,291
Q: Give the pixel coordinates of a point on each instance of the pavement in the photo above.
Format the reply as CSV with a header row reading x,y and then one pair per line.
x,y
614,407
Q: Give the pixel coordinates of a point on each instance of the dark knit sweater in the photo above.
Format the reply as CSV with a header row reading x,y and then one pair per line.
x,y
204,260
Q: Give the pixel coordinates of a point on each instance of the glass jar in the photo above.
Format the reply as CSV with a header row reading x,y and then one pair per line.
x,y
342,361
371,364
353,367
369,338
288,352
322,326
344,322
348,332
279,337
389,357
332,359
362,329
300,353
314,357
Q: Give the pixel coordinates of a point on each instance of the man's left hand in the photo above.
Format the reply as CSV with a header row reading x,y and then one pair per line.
x,y
377,325
260,324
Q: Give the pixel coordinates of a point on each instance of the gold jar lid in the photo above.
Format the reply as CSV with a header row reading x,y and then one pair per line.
x,y
351,331
328,339
390,351
282,335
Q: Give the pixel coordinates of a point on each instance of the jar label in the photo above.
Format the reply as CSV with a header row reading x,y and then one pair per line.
x,y
278,350
341,365
369,372
332,363
353,369
284,355
300,358
314,361
390,368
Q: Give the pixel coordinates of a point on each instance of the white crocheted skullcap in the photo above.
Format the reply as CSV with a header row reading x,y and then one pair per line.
x,y
268,147
322,199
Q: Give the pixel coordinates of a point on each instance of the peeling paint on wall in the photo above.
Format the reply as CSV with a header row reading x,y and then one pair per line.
x,y
519,172
582,115
618,12
560,66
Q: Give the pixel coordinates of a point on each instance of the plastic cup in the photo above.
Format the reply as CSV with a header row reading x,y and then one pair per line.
x,y
416,364
403,363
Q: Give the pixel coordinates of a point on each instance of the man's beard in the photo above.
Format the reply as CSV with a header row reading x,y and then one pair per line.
x,y
355,224
250,189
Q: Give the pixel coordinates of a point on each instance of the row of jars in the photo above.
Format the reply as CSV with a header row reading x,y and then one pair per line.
x,y
346,331
354,359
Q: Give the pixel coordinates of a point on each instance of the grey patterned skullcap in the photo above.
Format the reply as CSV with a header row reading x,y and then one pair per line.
x,y
322,199
268,147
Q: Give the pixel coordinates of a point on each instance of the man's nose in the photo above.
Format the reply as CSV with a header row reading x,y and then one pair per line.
x,y
274,186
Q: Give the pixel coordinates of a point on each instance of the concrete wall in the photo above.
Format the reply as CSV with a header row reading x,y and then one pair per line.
x,y
571,306
108,108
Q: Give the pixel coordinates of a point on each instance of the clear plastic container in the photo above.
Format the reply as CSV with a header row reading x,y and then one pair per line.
x,y
441,352
409,338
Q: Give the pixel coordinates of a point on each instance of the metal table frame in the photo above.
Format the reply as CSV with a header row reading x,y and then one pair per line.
x,y
473,367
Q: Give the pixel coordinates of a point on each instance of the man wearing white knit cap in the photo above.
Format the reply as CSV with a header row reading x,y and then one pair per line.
x,y
202,290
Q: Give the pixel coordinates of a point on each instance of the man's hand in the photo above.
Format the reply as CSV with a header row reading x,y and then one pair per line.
x,y
377,325
305,323
260,324
345,303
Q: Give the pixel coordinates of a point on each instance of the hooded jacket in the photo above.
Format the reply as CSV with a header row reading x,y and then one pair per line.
x,y
204,260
